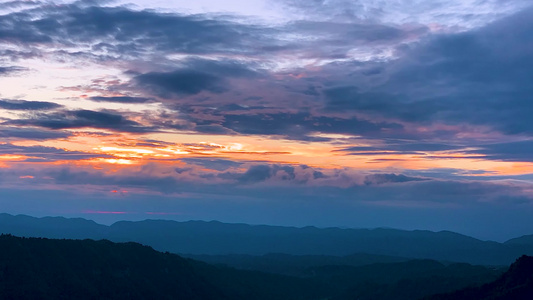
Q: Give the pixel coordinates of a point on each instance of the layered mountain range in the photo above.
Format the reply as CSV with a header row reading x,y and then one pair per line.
x,y
216,238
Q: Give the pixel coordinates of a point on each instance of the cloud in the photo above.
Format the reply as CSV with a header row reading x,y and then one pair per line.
x,y
32,133
292,184
508,151
401,147
297,126
47,154
6,71
454,13
259,173
194,77
212,164
27,105
479,77
82,119
180,83
121,31
121,99
389,178
18,4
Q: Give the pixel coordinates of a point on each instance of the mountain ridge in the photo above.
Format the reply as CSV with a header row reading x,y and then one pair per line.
x,y
217,238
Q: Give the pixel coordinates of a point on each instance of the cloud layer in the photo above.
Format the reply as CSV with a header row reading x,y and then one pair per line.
x,y
398,107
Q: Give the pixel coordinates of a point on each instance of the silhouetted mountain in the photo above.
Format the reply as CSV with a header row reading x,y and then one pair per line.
x,y
401,281
75,269
293,265
36,268
215,238
405,280
515,284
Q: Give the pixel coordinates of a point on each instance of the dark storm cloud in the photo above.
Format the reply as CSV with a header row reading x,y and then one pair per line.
x,y
81,119
343,98
480,77
32,133
511,151
121,99
27,105
181,82
194,77
257,120
300,125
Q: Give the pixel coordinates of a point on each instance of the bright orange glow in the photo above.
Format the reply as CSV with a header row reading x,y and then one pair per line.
x,y
167,149
116,149
116,161
514,168
10,157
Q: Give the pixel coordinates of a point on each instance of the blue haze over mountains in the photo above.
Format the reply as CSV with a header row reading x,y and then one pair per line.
x,y
216,238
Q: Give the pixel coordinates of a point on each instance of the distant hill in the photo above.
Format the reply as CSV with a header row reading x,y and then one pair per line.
x,y
37,268
216,238
515,284
523,240
51,227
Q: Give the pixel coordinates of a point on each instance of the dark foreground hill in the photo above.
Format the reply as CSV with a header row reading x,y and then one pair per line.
x,y
515,284
75,269
293,265
216,238
37,268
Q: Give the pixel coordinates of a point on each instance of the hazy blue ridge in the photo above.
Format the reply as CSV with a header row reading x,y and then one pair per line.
x,y
216,238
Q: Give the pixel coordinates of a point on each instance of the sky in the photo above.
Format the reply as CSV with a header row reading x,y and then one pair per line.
x,y
408,114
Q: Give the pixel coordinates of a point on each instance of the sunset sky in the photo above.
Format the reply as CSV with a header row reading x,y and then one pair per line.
x,y
409,114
